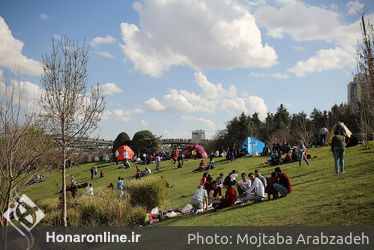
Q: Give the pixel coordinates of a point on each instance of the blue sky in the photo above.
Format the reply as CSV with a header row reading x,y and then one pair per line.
x,y
175,66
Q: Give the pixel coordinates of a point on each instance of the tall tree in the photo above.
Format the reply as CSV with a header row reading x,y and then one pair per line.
x,y
281,118
22,142
365,61
121,140
72,112
145,142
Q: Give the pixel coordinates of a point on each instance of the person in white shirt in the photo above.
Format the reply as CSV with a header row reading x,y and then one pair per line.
x,y
90,190
198,199
256,191
244,184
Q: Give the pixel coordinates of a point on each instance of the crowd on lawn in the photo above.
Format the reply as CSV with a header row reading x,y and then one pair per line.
x,y
251,187
254,188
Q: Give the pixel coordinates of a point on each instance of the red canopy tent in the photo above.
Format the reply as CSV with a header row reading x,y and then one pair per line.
x,y
121,152
194,151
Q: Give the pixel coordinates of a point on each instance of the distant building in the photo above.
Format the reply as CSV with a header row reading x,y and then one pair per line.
x,y
354,88
198,135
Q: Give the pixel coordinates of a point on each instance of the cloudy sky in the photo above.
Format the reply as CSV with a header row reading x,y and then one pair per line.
x,y
173,66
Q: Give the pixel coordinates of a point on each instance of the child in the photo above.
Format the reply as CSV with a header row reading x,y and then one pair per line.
x,y
90,190
101,174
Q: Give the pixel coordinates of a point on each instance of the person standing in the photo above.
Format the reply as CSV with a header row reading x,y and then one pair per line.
x,y
73,189
158,160
301,149
323,132
92,173
338,149
72,179
90,190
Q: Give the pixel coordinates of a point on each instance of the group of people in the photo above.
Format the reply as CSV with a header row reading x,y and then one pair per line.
x,y
254,188
94,171
73,187
141,173
292,154
203,167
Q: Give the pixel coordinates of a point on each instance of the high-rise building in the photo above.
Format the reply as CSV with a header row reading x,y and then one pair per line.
x,y
354,88
198,135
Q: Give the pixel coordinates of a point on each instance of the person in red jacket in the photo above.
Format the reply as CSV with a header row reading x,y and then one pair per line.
x,y
230,197
284,184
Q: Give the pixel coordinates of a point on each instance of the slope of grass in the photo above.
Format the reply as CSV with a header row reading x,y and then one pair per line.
x,y
319,197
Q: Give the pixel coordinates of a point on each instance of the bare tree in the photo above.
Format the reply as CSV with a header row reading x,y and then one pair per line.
x,y
305,131
72,112
364,107
22,143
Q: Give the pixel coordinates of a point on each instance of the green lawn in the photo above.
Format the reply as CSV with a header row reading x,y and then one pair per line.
x,y
319,197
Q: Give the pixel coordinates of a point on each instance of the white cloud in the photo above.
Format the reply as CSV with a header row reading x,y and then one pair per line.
x,y
213,98
102,40
43,17
110,89
105,54
183,101
202,121
304,22
248,105
11,54
120,114
337,58
202,34
273,75
1,75
355,7
29,93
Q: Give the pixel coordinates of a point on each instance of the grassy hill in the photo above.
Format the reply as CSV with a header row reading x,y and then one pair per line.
x,y
319,197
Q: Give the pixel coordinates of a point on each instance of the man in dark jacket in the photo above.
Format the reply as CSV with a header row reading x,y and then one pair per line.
x,y
284,186
338,149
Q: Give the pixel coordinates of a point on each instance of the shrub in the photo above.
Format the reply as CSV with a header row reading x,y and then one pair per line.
x,y
148,192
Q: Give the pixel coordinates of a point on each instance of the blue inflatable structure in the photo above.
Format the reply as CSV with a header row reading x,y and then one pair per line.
x,y
252,144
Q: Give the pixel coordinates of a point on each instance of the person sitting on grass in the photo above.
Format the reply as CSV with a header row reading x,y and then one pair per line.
x,y
138,172
230,197
211,164
256,192
127,163
214,193
101,174
198,198
270,189
232,177
111,187
201,167
284,184
243,185
203,180
262,179
220,180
